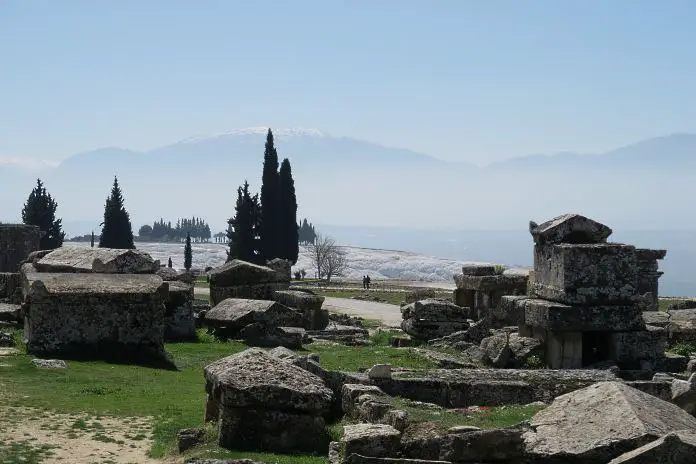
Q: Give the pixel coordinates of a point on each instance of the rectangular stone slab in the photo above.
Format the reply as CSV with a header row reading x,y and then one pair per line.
x,y
515,284
39,284
102,260
586,274
553,316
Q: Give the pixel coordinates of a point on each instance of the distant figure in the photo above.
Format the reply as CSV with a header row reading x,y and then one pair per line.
x,y
170,262
364,282
367,282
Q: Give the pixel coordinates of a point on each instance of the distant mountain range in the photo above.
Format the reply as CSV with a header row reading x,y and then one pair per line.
x,y
346,181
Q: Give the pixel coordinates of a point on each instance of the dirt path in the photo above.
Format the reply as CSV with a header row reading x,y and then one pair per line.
x,y
34,435
389,314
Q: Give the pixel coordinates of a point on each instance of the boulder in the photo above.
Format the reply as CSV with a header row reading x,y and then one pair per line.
x,y
601,422
49,363
496,445
262,335
673,448
232,314
100,260
374,440
167,274
9,312
266,404
684,393
237,272
7,340
188,438
283,353
435,311
298,300
379,371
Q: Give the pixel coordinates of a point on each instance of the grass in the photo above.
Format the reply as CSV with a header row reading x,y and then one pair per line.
x,y
382,296
663,304
175,398
23,452
482,417
682,348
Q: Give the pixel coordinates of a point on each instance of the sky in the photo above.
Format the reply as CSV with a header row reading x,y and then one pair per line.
x,y
476,81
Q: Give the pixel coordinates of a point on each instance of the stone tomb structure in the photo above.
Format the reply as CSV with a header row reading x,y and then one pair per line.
x,y
648,275
308,304
17,241
106,301
480,287
262,403
584,298
241,279
69,313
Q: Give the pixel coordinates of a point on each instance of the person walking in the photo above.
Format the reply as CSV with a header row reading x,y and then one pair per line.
x,y
367,282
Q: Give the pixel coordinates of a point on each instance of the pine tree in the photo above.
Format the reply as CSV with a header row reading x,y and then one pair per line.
x,y
288,214
188,253
270,202
243,231
40,210
117,231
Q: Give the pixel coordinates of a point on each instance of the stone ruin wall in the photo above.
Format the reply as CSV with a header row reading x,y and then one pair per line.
x,y
16,242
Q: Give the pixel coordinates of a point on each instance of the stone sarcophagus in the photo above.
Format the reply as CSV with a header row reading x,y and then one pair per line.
x,y
16,242
481,287
241,279
73,314
585,297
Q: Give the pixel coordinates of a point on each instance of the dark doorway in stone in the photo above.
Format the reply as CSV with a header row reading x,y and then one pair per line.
x,y
595,347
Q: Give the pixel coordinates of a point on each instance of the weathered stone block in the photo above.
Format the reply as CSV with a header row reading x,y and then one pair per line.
x,y
478,269
233,314
299,300
17,241
434,311
633,347
507,284
267,404
237,272
180,323
100,260
272,430
600,422
586,274
9,282
270,337
90,312
569,228
427,330
9,312
549,315
673,448
375,440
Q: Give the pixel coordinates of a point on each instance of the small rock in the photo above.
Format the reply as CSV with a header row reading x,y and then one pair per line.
x,y
380,371
189,438
7,340
691,366
536,403
49,363
462,429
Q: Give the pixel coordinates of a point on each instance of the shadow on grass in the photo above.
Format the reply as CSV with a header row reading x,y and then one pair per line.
x,y
144,356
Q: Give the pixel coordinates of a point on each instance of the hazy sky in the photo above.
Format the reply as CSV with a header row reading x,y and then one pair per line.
x,y
467,80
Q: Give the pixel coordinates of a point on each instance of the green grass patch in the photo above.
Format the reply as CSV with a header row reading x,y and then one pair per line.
x,y
482,417
395,298
174,398
663,304
682,348
24,452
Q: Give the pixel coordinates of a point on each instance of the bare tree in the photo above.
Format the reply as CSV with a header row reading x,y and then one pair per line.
x,y
328,258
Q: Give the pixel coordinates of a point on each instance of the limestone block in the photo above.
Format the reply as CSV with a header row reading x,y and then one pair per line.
x,y
569,228
374,440
586,274
559,317
101,260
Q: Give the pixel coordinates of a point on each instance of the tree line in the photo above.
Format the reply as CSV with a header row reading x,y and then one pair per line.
x,y
197,228
306,234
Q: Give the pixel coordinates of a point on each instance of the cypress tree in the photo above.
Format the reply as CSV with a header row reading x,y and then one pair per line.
x,y
188,253
243,228
288,214
117,231
40,210
270,202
